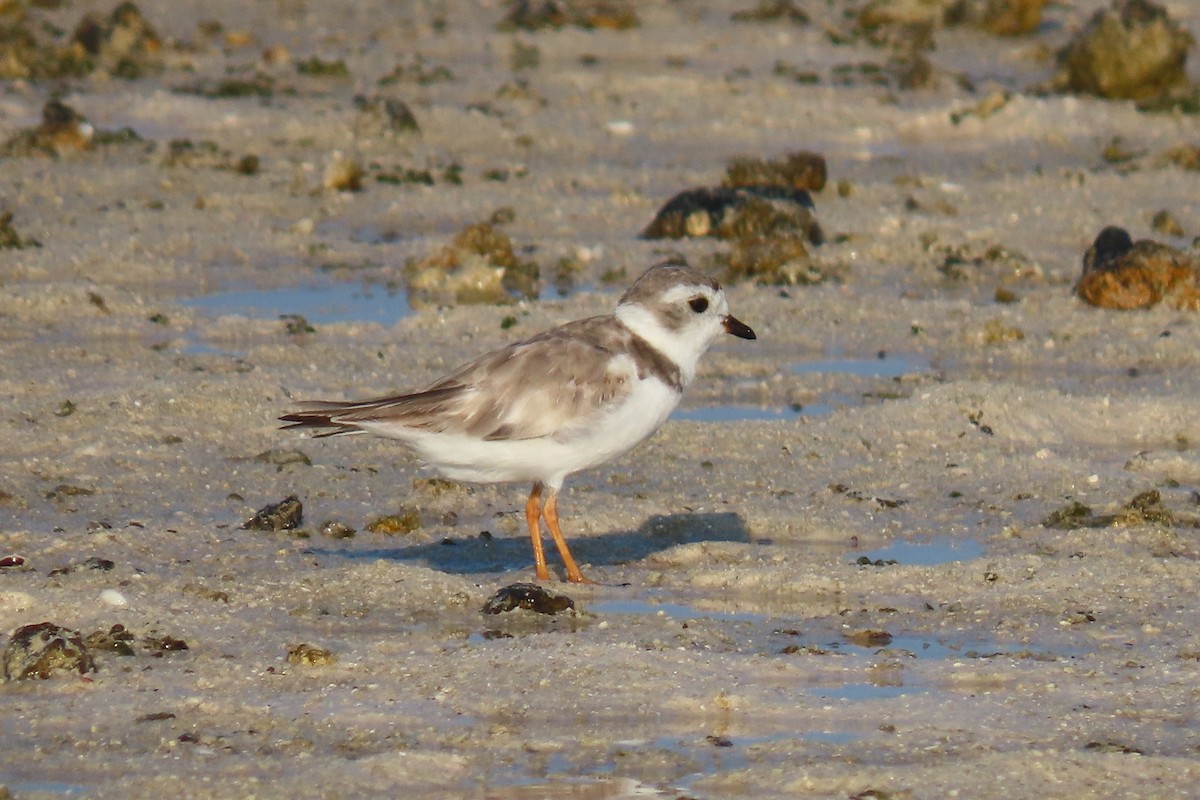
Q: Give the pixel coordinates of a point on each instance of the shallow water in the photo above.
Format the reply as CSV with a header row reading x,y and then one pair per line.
x,y
857,692
672,610
884,365
923,646
737,413
321,303
45,788
940,550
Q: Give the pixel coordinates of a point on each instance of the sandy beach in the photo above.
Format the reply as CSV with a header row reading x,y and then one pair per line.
x,y
935,533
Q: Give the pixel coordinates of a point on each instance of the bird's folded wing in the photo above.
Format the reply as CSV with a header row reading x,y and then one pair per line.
x,y
550,385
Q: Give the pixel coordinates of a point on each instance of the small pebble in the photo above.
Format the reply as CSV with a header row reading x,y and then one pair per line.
x,y
311,656
113,598
285,515
336,530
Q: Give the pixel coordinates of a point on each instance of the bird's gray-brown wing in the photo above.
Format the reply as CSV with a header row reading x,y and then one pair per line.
x,y
333,417
544,386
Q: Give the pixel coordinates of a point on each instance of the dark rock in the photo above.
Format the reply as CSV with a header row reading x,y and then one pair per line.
x,y
281,457
158,646
737,212
115,640
386,114
41,649
93,563
285,515
1111,243
11,240
772,11
533,15
1075,515
64,490
529,596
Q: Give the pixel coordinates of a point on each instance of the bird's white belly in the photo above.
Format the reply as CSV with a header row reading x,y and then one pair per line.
x,y
549,459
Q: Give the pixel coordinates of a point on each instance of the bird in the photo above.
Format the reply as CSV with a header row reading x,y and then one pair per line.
x,y
564,400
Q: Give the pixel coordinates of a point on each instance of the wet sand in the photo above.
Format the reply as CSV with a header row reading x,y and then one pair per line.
x,y
734,645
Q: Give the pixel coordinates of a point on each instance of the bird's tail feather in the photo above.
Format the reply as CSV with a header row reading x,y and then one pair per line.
x,y
322,416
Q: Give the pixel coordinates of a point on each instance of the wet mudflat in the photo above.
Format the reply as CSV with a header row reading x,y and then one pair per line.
x,y
935,531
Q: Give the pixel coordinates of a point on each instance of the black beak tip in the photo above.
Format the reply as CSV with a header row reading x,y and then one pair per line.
x,y
738,328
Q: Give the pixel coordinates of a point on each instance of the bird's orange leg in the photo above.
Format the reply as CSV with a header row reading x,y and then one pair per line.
x,y
550,512
533,511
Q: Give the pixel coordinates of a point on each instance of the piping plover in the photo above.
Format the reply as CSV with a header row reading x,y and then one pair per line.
x,y
559,402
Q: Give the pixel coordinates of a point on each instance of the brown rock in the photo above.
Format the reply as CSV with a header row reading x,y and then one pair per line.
x,y
1122,274
879,13
799,170
405,521
998,17
63,130
479,266
535,15
124,44
771,260
308,655
42,649
1012,17
772,11
1131,51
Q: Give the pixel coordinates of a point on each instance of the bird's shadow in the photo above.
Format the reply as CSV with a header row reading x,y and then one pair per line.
x,y
473,554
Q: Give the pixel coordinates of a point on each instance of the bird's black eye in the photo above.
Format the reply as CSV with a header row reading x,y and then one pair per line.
x,y
698,304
